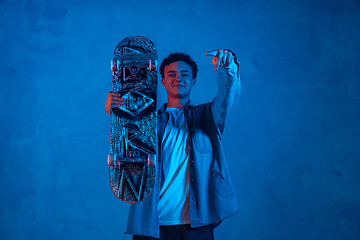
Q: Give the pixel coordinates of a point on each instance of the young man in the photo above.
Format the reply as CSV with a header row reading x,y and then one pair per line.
x,y
193,192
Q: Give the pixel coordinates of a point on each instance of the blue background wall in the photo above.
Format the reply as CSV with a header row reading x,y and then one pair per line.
x,y
293,142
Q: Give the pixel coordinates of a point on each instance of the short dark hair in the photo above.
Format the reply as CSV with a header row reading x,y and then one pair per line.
x,y
176,57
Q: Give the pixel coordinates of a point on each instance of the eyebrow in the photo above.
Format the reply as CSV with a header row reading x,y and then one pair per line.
x,y
176,71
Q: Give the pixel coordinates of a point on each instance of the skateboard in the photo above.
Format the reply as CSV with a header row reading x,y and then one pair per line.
x,y
132,154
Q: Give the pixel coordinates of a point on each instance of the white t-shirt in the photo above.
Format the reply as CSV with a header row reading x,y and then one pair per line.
x,y
173,204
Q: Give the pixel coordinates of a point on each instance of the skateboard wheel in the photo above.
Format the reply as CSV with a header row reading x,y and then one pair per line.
x,y
152,65
111,160
113,67
151,160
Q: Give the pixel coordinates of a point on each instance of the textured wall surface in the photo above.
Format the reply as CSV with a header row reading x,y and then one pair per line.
x,y
293,142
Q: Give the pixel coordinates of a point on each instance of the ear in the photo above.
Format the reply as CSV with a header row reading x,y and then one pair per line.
x,y
193,81
163,82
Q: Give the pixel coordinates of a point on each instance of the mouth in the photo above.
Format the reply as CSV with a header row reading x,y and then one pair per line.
x,y
178,85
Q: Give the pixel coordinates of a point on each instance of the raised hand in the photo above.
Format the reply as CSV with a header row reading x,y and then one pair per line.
x,y
224,58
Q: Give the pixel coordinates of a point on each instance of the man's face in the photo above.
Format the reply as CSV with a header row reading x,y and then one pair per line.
x,y
178,80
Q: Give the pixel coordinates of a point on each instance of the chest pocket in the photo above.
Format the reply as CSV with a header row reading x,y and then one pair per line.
x,y
202,142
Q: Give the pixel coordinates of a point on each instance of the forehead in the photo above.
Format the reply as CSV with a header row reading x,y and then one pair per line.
x,y
179,66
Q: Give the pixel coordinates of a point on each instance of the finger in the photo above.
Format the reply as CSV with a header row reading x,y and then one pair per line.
x,y
212,53
113,101
114,94
230,59
111,96
117,99
224,58
115,105
219,57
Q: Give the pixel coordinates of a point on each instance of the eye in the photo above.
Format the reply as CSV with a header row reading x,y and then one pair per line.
x,y
185,74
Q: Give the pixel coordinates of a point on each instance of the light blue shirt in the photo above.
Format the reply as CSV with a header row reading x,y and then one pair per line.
x,y
173,206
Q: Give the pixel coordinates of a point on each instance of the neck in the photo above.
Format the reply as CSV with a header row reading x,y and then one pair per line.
x,y
177,102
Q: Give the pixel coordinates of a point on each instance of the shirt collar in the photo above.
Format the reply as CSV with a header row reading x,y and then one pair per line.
x,y
164,106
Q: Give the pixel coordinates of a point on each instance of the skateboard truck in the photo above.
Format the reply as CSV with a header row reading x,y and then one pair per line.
x,y
150,160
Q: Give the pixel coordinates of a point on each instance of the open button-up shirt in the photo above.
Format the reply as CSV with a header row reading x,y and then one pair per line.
x,y
212,197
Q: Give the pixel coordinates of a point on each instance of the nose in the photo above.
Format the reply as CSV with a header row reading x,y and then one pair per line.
x,y
178,77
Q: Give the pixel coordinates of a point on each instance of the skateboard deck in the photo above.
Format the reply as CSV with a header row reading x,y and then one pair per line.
x,y
133,135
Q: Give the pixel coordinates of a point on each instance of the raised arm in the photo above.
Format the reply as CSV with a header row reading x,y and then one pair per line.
x,y
229,85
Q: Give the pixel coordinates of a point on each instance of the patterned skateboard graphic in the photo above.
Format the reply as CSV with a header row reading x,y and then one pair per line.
x,y
132,153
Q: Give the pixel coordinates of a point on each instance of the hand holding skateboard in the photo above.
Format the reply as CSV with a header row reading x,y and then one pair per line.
x,y
113,100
